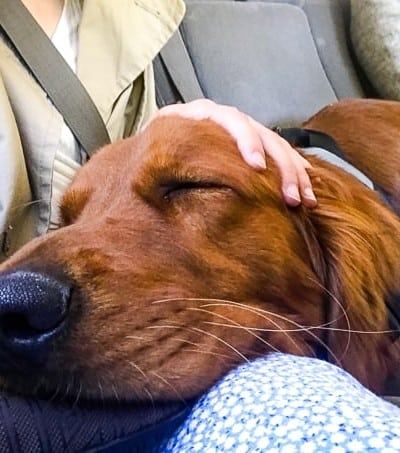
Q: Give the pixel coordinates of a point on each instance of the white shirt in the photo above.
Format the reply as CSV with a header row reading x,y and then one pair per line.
x,y
69,155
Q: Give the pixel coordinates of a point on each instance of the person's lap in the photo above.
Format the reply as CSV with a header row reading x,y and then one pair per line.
x,y
288,404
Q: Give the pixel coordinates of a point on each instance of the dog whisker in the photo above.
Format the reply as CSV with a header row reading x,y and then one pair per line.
x,y
55,394
100,387
342,308
78,395
68,388
174,377
27,204
323,326
183,340
261,312
197,330
168,384
166,326
134,337
308,328
133,364
368,332
148,393
216,300
266,315
115,393
216,354
188,299
299,327
226,302
234,324
202,299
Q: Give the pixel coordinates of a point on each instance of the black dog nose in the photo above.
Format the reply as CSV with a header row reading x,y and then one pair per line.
x,y
33,309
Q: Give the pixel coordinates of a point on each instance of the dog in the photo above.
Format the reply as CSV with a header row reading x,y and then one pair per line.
x,y
175,262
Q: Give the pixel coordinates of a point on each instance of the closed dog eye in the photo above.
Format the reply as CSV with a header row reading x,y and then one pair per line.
x,y
179,189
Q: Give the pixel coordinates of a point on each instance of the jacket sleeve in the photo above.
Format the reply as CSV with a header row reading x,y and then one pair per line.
x,y
15,193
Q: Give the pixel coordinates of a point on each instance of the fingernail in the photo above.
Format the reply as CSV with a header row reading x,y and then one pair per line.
x,y
309,194
257,160
293,192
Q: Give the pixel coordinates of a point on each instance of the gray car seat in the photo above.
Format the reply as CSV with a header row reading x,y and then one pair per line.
x,y
279,61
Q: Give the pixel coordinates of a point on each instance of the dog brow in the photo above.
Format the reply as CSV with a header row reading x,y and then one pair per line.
x,y
73,202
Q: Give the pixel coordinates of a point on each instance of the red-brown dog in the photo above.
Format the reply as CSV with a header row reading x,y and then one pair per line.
x,y
177,261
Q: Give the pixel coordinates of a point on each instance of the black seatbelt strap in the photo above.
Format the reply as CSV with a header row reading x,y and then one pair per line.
x,y
54,75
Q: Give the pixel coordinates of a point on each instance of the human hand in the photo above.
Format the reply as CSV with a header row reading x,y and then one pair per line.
x,y
254,141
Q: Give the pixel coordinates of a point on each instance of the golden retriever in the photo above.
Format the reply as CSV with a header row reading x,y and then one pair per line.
x,y
176,261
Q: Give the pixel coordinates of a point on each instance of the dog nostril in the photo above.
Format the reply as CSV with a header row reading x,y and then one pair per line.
x,y
18,327
33,310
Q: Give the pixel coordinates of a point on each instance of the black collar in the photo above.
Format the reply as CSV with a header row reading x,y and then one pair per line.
x,y
308,138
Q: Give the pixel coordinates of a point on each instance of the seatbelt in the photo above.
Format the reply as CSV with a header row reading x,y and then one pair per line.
x,y
173,63
178,65
54,75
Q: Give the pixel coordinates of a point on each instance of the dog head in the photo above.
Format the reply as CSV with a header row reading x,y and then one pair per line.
x,y
176,261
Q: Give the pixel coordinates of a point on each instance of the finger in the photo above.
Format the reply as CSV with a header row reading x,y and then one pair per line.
x,y
247,138
296,183
232,120
305,186
199,109
172,109
282,154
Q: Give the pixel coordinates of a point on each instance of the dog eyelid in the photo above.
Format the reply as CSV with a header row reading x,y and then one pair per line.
x,y
178,188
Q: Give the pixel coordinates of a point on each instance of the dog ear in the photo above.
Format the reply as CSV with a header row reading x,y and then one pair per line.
x,y
353,243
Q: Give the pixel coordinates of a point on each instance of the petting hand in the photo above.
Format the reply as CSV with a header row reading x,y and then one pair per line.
x,y
254,140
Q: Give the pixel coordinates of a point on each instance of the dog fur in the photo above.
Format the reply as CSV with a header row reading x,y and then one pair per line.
x,y
185,262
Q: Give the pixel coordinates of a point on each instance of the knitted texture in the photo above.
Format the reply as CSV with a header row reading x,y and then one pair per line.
x,y
289,404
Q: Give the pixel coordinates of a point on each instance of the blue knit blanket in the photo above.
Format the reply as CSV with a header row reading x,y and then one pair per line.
x,y
289,404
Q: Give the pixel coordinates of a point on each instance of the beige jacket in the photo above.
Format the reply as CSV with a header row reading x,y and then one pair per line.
x,y
117,41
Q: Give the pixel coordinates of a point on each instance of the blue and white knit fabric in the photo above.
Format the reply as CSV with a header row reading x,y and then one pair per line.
x,y
289,404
